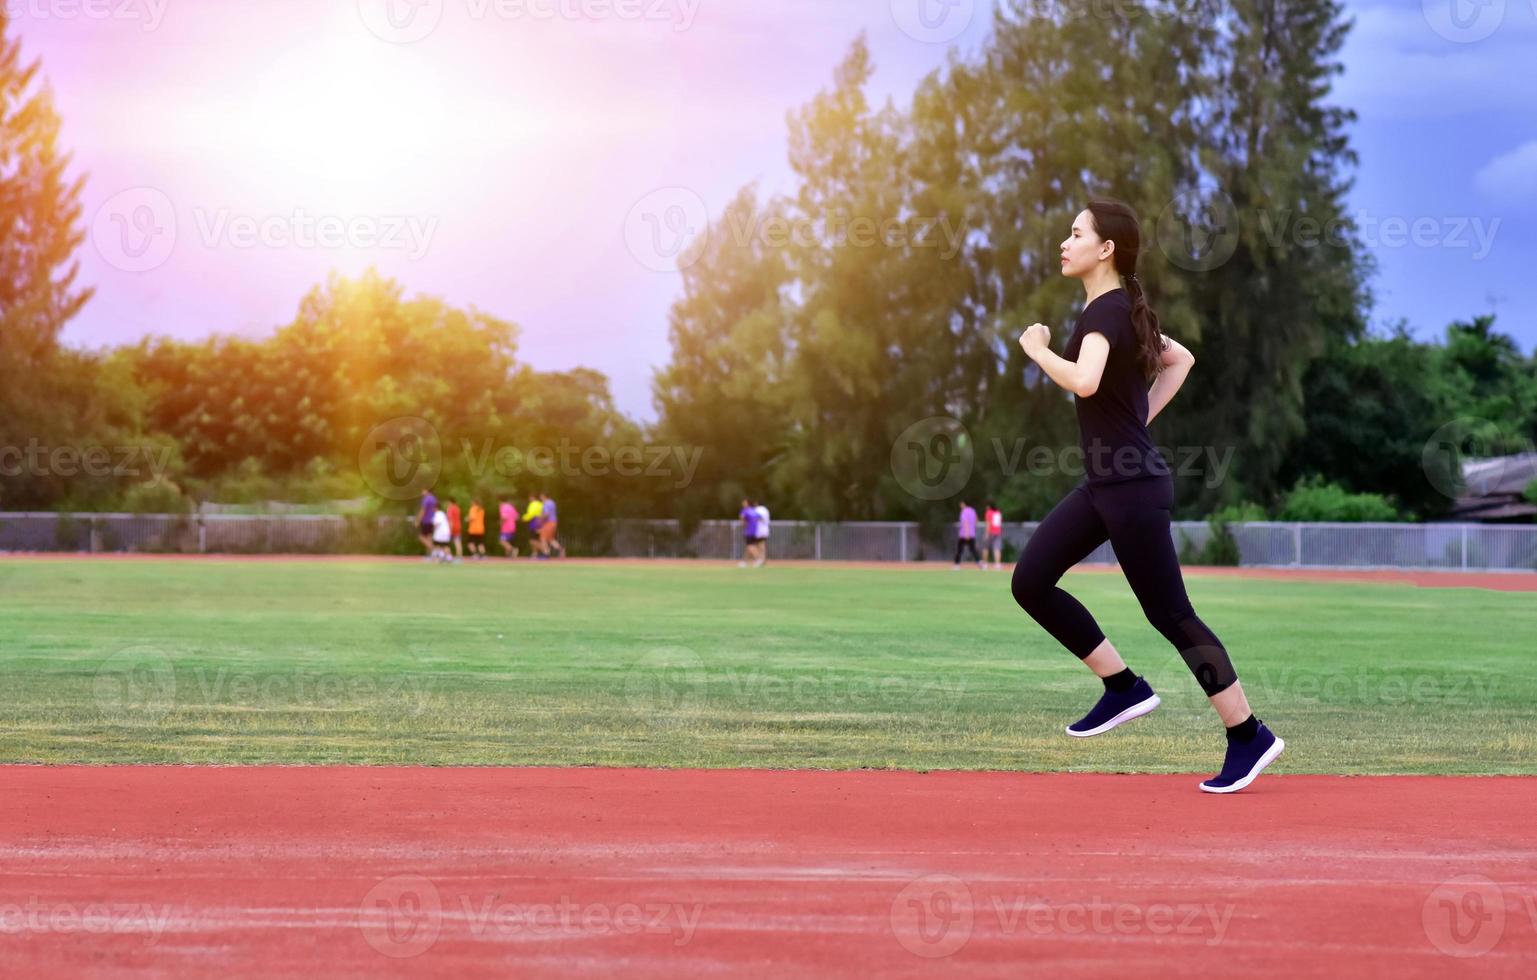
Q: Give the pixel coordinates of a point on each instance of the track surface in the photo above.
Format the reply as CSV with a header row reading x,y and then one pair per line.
x,y
189,872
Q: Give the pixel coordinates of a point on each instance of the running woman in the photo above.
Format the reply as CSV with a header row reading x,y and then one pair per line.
x,y
1126,495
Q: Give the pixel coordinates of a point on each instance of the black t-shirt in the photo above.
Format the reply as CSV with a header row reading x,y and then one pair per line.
x,y
1112,422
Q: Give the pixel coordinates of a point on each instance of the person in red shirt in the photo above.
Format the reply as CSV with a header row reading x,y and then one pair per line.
x,y
994,541
453,527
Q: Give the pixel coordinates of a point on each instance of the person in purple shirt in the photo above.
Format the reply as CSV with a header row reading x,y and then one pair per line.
x,y
968,536
547,527
424,520
751,534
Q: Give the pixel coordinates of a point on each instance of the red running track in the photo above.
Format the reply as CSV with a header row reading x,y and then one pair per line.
x,y
272,872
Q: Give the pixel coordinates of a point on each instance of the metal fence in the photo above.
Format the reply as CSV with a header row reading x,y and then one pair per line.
x,y
202,534
1259,543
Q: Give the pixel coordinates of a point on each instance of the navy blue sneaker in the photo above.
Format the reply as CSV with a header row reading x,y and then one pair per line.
x,y
1245,761
1114,708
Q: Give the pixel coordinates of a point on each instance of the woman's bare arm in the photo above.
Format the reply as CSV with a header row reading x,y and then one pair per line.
x,y
1177,362
1082,376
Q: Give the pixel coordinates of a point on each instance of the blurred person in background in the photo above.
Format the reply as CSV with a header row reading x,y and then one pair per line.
x,y
442,538
749,517
533,517
477,530
548,525
455,526
424,518
966,539
993,543
763,531
508,514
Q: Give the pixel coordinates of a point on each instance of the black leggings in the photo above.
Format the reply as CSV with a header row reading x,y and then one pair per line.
x,y
963,543
1134,516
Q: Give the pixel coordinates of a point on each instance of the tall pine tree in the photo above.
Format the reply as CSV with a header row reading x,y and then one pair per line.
x,y
49,396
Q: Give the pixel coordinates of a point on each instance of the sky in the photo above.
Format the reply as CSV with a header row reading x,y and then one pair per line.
x,y
544,160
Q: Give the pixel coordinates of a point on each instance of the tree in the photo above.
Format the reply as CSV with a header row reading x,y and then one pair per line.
x,y
1199,106
299,406
39,219
49,398
1061,106
1271,145
1370,406
856,330
1492,381
724,389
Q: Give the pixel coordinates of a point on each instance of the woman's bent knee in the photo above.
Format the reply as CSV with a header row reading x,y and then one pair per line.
x,y
1029,586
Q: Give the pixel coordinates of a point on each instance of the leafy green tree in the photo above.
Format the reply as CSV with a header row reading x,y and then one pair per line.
x,y
724,391
290,414
50,398
1055,110
1491,380
1220,104
1272,145
1370,407
875,341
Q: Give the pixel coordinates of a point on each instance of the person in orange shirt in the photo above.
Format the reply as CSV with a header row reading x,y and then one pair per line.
x,y
477,540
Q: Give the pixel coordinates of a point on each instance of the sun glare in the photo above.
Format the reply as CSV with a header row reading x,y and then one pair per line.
x,y
355,123
350,117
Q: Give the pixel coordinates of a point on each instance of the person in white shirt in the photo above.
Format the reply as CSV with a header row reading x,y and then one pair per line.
x,y
442,536
763,533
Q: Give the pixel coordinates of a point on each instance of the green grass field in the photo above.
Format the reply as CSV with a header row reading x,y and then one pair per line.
x,y
500,664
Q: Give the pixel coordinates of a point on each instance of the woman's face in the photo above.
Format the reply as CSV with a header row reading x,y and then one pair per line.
x,y
1083,249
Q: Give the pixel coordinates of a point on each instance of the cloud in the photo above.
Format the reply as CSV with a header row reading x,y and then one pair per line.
x,y
1397,66
1511,176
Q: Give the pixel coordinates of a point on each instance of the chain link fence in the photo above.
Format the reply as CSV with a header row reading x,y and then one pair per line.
x,y
1259,543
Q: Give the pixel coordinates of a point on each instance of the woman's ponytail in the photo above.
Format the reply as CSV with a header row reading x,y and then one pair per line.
x,y
1115,221
1145,321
